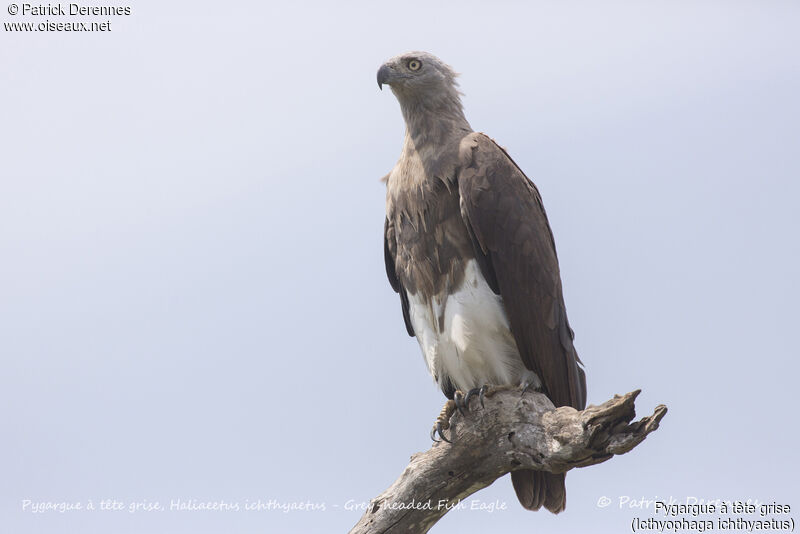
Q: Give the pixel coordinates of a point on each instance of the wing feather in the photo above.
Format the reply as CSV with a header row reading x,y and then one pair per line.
x,y
516,252
389,253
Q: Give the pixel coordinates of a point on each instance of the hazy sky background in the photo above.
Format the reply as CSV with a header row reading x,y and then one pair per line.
x,y
193,302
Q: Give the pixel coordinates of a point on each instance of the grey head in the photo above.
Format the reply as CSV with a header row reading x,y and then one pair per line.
x,y
415,72
425,86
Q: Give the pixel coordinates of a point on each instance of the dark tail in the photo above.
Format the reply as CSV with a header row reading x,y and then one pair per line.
x,y
540,488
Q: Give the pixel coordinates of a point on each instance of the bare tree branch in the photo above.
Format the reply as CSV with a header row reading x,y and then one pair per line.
x,y
512,432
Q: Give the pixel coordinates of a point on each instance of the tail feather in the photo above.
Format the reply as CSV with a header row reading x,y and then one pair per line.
x,y
540,488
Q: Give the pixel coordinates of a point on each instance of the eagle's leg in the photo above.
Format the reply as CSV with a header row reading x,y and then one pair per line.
x,y
443,421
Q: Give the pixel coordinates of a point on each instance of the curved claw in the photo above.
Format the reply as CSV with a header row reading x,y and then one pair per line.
x,y
471,393
461,402
443,421
480,392
437,429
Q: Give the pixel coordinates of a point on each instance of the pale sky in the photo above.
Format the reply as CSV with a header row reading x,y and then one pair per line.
x,y
193,303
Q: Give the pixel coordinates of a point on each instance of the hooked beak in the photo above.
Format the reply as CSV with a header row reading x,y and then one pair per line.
x,y
384,73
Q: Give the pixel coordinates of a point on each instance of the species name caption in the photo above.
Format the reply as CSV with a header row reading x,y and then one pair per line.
x,y
257,505
728,516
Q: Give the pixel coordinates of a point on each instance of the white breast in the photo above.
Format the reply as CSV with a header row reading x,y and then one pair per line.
x,y
465,335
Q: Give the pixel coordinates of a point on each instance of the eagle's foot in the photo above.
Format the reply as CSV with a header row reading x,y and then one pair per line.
x,y
443,421
460,402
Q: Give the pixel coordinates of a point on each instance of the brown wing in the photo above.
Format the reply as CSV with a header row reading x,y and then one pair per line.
x,y
389,251
517,255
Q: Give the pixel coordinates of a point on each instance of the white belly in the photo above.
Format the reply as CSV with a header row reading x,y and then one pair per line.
x,y
465,336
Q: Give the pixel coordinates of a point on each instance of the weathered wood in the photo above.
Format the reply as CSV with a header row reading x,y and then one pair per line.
x,y
513,431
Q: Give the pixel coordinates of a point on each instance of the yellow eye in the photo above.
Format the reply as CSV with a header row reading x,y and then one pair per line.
x,y
414,64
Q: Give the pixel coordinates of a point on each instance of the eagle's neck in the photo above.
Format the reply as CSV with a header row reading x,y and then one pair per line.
x,y
436,120
434,129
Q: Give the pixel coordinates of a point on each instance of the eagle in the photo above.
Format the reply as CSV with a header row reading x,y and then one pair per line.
x,y
468,247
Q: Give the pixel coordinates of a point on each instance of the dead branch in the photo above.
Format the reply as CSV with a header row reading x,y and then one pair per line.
x,y
512,432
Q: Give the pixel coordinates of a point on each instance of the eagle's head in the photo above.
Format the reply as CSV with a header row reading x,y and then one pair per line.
x,y
417,75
